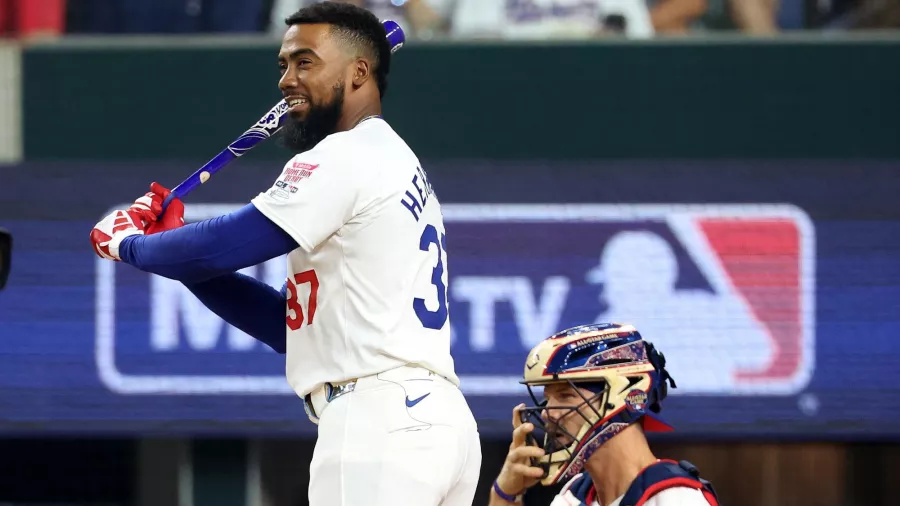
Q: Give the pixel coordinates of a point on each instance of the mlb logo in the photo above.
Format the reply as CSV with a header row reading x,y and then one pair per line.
x,y
725,292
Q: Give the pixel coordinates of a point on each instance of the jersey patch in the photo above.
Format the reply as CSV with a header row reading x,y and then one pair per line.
x,y
284,187
298,171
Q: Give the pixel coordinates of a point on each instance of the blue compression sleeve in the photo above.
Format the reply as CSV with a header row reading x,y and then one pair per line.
x,y
207,249
248,304
204,257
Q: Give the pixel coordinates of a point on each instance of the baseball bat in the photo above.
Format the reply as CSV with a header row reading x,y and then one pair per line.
x,y
266,127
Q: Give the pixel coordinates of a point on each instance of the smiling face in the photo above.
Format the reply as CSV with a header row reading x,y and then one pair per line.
x,y
314,65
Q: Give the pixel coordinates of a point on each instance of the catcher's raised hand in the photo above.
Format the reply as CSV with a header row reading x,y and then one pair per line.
x,y
518,474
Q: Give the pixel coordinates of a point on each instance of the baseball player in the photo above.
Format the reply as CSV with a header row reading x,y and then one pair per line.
x,y
363,315
602,388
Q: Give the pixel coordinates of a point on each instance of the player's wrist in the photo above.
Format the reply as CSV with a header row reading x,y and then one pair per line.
x,y
115,242
500,492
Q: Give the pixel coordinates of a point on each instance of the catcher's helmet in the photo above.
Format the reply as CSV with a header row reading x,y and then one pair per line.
x,y
625,375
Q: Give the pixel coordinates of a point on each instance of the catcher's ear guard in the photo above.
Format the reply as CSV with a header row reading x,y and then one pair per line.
x,y
5,256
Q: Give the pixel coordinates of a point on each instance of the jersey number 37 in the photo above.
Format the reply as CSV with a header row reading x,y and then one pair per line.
x,y
295,321
430,319
437,318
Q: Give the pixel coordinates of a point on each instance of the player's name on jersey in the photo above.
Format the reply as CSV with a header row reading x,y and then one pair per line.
x,y
417,196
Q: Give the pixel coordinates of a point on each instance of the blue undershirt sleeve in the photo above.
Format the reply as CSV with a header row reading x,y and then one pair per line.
x,y
210,248
204,257
247,304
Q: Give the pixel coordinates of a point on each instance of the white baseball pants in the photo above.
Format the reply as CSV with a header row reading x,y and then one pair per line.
x,y
404,437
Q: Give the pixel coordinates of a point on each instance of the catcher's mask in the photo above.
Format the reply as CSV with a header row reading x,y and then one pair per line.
x,y
618,378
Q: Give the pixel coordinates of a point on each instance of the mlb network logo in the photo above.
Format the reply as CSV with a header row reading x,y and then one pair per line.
x,y
725,291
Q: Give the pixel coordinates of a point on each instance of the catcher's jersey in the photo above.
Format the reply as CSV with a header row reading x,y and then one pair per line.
x,y
663,483
367,288
679,496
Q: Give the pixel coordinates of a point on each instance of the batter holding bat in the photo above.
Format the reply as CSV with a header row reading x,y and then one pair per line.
x,y
363,315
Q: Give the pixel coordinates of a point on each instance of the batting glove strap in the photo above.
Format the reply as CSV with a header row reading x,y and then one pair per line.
x,y
117,239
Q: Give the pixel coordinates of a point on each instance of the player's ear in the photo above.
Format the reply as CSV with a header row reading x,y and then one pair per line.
x,y
361,72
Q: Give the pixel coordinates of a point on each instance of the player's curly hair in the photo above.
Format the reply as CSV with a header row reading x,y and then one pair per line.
x,y
358,27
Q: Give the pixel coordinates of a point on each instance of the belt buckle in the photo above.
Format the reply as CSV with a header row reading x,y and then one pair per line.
x,y
333,391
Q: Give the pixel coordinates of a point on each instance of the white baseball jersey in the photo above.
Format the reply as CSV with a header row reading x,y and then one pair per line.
x,y
367,288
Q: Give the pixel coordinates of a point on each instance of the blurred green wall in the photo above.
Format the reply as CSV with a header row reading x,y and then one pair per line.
x,y
10,102
686,99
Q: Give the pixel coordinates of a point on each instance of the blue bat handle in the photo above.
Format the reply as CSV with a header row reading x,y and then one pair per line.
x,y
266,127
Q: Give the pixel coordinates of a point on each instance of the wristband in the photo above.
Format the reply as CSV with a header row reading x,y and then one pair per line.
x,y
503,495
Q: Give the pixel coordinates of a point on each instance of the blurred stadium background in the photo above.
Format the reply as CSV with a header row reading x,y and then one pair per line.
x,y
728,167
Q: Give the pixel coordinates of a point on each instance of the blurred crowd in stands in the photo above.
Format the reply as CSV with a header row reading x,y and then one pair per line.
x,y
456,19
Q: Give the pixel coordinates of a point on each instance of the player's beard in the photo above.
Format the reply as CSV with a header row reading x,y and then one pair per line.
x,y
321,121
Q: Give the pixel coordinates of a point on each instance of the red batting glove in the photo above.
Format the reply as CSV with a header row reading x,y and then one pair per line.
x,y
109,232
148,207
174,215
139,219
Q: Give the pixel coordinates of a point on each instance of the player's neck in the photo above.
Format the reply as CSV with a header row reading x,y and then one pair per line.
x,y
617,463
353,115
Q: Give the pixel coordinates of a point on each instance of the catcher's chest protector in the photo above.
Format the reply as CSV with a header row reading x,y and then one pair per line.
x,y
652,480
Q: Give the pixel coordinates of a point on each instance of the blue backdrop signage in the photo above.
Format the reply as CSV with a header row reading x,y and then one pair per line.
x,y
726,291
768,318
